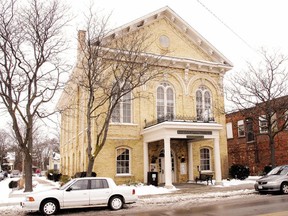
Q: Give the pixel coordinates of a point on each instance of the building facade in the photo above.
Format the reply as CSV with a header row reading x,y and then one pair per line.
x,y
176,127
248,143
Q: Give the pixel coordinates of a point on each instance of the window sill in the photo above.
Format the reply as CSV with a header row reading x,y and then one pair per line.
x,y
123,175
206,171
123,124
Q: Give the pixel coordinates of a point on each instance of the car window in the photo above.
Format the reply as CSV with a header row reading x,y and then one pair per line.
x,y
99,183
80,185
281,170
284,171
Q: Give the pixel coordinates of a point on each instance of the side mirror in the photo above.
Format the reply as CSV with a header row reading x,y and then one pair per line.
x,y
69,189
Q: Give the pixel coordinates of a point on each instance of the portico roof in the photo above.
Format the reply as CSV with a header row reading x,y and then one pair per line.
x,y
181,130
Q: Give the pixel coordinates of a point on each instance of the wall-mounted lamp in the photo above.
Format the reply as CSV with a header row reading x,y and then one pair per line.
x,y
182,159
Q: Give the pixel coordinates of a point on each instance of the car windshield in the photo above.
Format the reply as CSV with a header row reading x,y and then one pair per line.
x,y
281,170
65,186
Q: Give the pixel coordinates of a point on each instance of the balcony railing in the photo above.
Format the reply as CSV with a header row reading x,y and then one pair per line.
x,y
179,118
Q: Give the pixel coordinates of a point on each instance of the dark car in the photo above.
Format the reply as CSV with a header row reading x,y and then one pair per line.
x,y
275,181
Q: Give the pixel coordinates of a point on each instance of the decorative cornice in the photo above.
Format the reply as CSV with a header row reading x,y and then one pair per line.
x,y
182,25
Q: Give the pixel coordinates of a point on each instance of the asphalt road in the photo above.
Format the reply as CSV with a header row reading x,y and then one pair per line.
x,y
260,205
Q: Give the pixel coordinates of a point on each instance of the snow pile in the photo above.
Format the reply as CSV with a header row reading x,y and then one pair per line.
x,y
142,189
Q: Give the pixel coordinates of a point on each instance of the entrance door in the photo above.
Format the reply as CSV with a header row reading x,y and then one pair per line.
x,y
161,163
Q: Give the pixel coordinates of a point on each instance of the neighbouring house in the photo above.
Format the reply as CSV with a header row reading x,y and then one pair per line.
x,y
176,129
247,140
54,161
10,158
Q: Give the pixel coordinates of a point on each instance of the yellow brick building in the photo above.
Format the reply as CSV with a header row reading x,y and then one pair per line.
x,y
175,129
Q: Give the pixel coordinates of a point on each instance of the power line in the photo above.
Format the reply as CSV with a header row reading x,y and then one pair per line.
x,y
228,27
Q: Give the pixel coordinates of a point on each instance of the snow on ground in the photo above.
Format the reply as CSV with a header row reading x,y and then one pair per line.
x,y
10,199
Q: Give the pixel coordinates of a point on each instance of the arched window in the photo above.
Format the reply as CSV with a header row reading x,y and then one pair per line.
x,y
165,101
123,161
205,159
203,104
123,110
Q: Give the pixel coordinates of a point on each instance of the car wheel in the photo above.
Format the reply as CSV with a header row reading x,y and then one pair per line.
x,y
49,207
284,188
116,203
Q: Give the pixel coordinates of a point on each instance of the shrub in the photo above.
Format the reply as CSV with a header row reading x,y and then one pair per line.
x,y
239,171
267,169
64,179
53,175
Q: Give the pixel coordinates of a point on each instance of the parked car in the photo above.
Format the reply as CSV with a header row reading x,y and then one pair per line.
x,y
81,193
15,174
275,181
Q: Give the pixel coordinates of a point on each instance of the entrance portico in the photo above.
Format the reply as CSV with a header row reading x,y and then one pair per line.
x,y
190,131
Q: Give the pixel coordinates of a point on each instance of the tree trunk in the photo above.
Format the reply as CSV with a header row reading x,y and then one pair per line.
x,y
272,151
28,172
90,166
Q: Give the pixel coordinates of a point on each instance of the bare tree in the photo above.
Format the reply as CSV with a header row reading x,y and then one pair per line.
x,y
31,41
49,146
42,146
113,66
261,94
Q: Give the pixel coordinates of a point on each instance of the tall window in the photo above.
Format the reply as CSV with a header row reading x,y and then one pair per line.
x,y
205,159
249,130
229,130
263,124
165,101
123,111
203,103
123,161
241,131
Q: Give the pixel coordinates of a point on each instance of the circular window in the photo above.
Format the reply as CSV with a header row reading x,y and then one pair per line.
x,y
164,41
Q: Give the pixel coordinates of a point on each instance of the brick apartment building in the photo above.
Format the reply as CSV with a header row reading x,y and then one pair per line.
x,y
248,143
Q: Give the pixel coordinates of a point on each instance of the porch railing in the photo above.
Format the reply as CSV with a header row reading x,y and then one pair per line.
x,y
179,118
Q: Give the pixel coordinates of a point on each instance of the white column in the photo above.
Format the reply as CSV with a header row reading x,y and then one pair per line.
x,y
190,161
217,161
168,174
145,160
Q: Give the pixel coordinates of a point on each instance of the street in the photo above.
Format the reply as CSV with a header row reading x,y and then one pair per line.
x,y
254,204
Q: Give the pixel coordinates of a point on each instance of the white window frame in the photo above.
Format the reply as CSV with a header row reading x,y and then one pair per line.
x,y
164,104
118,172
202,166
120,108
285,118
229,130
263,124
203,106
241,128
